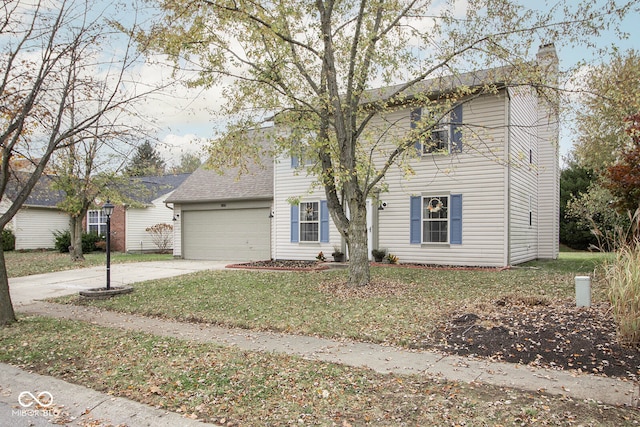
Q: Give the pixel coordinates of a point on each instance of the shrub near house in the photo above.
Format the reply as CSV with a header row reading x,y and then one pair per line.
x,y
90,241
162,236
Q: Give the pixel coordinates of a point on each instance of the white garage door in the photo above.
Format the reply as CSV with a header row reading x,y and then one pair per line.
x,y
226,235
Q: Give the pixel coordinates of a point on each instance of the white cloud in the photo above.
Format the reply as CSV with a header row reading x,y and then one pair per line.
x,y
172,147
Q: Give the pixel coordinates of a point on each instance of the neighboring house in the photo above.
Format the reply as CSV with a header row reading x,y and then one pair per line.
x,y
225,217
487,195
38,218
130,221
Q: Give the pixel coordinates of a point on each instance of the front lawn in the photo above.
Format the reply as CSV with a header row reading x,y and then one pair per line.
x,y
224,385
402,306
227,386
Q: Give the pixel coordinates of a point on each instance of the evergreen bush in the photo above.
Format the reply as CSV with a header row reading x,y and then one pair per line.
x,y
89,240
8,240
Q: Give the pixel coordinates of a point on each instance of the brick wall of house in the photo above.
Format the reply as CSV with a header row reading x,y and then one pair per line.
x,y
118,227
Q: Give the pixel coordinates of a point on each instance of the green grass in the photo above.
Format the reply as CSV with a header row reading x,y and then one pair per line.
x,y
226,385
37,262
401,307
574,262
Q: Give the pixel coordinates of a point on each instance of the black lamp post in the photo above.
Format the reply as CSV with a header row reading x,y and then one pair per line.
x,y
107,210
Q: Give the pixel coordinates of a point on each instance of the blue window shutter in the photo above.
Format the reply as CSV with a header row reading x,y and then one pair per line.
x,y
415,210
456,125
416,115
324,222
456,219
295,220
295,161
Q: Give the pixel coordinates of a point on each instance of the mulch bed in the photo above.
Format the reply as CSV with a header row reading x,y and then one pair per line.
x,y
291,265
525,330
538,333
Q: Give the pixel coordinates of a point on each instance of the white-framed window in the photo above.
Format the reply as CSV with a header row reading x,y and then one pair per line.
x,y
438,140
302,154
435,219
310,221
96,222
443,138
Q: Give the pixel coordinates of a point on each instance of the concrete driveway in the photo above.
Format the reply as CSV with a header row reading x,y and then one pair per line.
x,y
25,290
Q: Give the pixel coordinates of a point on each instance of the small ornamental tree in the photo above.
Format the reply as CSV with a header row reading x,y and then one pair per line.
x,y
162,236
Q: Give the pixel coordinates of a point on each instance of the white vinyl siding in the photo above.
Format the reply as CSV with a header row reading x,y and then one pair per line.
x,y
548,182
501,167
288,184
478,173
139,219
523,132
177,231
34,227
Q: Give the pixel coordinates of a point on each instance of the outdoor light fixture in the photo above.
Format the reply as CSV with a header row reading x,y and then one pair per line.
x,y
107,210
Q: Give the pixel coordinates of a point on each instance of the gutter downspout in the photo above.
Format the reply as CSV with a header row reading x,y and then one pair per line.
x,y
507,184
273,246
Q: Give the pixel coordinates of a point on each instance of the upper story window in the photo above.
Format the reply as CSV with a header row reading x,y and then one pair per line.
x,y
438,141
301,152
444,137
96,222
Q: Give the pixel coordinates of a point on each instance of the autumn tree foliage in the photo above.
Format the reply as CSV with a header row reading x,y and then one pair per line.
x,y
611,95
624,176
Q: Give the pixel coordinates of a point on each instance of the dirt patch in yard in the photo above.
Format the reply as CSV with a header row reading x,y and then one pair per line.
x,y
538,333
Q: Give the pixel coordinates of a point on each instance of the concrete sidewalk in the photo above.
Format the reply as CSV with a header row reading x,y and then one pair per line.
x,y
26,291
383,359
74,405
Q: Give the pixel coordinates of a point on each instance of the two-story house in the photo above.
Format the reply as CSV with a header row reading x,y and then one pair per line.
x,y
484,190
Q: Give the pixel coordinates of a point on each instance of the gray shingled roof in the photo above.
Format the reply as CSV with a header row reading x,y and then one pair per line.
x,y
206,185
42,195
45,196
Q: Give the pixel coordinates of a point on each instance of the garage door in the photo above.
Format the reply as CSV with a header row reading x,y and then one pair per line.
x,y
226,235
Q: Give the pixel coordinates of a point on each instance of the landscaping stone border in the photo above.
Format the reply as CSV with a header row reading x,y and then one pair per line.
x,y
104,293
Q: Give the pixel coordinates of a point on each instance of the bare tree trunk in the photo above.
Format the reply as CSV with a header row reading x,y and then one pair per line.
x,y
75,229
7,315
359,272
